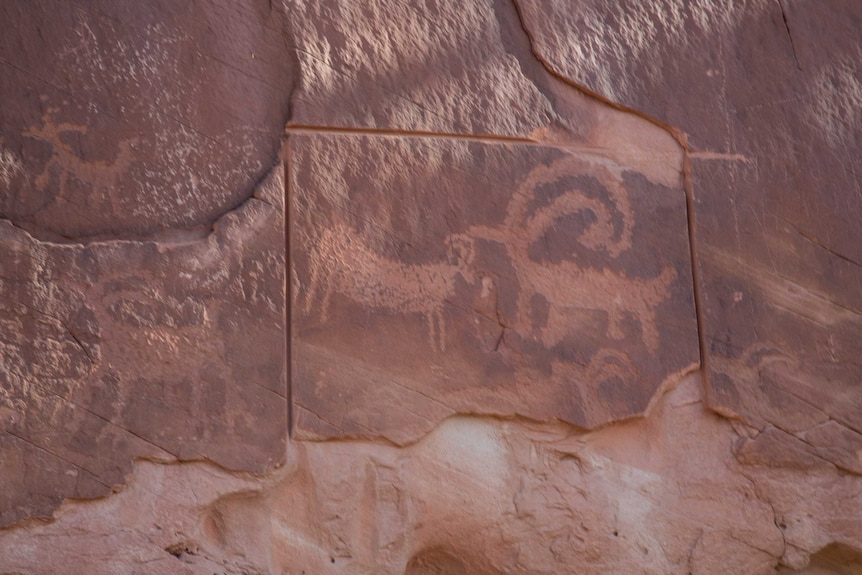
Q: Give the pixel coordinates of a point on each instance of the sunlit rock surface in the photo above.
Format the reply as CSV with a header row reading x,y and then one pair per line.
x,y
482,287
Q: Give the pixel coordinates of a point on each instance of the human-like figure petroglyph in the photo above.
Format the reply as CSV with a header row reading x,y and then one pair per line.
x,y
566,285
342,262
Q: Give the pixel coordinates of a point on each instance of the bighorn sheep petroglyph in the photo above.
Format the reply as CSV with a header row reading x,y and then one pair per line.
x,y
342,262
566,285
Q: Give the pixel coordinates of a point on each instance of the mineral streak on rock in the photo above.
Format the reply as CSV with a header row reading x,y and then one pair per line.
x,y
540,287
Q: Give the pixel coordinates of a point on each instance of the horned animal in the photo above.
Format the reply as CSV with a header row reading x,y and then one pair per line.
x,y
342,262
566,285
69,164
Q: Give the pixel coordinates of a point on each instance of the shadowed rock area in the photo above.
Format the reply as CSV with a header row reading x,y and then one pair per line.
x,y
423,287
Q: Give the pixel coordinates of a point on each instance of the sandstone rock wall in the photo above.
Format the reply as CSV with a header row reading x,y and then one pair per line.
x,y
422,287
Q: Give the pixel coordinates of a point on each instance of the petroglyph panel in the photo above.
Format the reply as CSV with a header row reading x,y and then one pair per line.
x,y
120,350
773,129
104,132
435,276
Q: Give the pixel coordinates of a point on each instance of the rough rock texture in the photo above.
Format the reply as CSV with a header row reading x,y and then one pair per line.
x,y
126,349
664,494
519,262
539,287
501,278
142,277
126,119
767,95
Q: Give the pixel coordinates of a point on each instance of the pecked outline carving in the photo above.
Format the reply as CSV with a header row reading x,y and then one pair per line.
x,y
591,288
341,261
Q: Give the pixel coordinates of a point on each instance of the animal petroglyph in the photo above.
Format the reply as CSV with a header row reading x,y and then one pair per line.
x,y
100,174
567,286
341,262
606,366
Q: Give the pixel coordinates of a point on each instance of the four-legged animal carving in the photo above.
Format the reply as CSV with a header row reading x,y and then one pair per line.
x,y
567,286
341,262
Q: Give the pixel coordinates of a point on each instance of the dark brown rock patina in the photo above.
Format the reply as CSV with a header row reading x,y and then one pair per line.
x,y
433,277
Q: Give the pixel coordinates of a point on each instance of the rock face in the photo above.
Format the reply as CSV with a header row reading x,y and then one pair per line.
x,y
483,287
125,349
142,269
137,119
775,184
476,495
501,278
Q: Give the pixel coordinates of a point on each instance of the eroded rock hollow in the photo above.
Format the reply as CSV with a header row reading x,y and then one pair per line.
x,y
479,287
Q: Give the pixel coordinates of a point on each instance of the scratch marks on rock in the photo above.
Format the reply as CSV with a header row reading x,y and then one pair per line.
x,y
789,34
